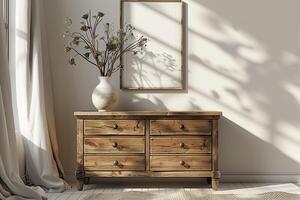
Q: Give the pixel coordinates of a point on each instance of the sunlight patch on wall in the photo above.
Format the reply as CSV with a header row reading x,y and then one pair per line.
x,y
240,75
253,55
288,140
293,90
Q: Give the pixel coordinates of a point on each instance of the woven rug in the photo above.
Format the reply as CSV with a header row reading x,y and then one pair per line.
x,y
186,195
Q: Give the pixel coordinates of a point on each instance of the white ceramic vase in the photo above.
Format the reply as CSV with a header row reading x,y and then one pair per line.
x,y
104,97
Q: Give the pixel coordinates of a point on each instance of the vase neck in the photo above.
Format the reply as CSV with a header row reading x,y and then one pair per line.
x,y
104,78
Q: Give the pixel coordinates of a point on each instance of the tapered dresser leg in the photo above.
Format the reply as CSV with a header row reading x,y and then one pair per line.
x,y
79,179
215,183
79,184
80,169
215,156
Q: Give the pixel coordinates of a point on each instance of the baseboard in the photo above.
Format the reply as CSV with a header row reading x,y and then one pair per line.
x,y
232,177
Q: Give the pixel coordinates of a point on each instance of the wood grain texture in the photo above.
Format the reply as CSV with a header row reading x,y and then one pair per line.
x,y
114,163
215,155
116,173
181,145
147,145
106,137
147,174
180,127
80,168
114,144
79,144
179,174
180,163
114,127
180,114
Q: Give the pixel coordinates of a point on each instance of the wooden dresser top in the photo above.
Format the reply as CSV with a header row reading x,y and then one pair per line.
x,y
87,114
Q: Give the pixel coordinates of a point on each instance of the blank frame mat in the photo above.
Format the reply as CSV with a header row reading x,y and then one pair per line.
x,y
160,64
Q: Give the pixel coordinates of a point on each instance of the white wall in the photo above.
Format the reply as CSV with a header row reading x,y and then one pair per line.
x,y
243,59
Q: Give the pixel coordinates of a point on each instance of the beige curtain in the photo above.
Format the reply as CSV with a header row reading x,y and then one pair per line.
x,y
11,184
33,93
30,111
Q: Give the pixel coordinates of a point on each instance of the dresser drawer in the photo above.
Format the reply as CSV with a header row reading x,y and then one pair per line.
x,y
114,127
167,144
114,163
114,144
180,127
180,163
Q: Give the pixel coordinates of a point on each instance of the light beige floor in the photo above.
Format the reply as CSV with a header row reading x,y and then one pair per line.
x,y
225,188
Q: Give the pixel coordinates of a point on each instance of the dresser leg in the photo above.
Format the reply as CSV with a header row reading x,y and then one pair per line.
x,y
79,184
215,183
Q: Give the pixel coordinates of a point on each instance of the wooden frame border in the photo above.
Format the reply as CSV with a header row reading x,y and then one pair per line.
x,y
183,48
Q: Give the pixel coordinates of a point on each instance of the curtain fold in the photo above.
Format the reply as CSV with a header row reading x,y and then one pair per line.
x,y
11,185
30,113
33,92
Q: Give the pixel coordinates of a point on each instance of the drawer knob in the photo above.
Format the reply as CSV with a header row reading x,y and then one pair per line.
x,y
184,164
115,126
181,126
116,163
115,144
181,145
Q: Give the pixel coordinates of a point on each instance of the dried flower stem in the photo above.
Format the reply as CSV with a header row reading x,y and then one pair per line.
x,y
115,43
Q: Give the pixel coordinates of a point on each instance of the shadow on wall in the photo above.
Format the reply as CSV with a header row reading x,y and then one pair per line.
x,y
241,150
259,85
139,73
139,103
267,56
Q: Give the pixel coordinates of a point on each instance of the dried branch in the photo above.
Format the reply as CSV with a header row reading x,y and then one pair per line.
x,y
114,42
78,53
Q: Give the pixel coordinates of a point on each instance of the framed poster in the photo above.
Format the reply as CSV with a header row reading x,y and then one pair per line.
x,y
161,65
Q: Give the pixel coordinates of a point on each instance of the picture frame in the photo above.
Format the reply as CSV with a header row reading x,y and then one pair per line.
x,y
161,66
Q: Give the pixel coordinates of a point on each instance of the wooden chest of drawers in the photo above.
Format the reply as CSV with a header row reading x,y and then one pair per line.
x,y
147,144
